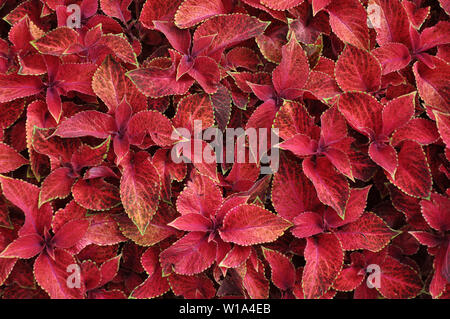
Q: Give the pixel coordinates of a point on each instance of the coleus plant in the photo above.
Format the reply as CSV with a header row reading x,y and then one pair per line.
x,y
92,114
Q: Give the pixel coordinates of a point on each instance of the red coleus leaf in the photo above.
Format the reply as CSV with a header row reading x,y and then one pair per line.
x,y
249,225
348,21
192,12
398,281
110,84
51,275
190,255
229,30
292,192
70,233
10,159
324,259
156,284
332,188
201,196
392,56
436,212
283,271
58,184
25,196
192,287
16,86
24,247
443,124
116,9
390,21
293,61
308,224
281,5
431,83
156,82
159,10
413,173
95,194
358,70
368,232
87,123
140,189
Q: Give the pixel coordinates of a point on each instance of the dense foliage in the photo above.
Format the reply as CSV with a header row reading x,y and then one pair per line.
x,y
359,92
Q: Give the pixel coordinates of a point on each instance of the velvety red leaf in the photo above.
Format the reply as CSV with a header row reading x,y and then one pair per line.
x,y
190,255
52,276
398,281
230,29
14,86
445,4
432,83
250,224
348,21
10,112
158,10
392,56
293,118
413,173
192,287
140,189
436,212
398,112
385,156
332,188
70,233
321,85
255,282
157,230
112,86
368,232
356,205
282,4
59,41
206,72
157,82
103,230
6,266
95,194
283,271
109,269
236,256
390,21
25,196
222,106
58,184
196,107
293,62
318,5
192,222
24,247
308,224
292,192
10,159
362,112
324,259
117,9
420,130
192,12
300,145
358,70
153,124
156,284
443,124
